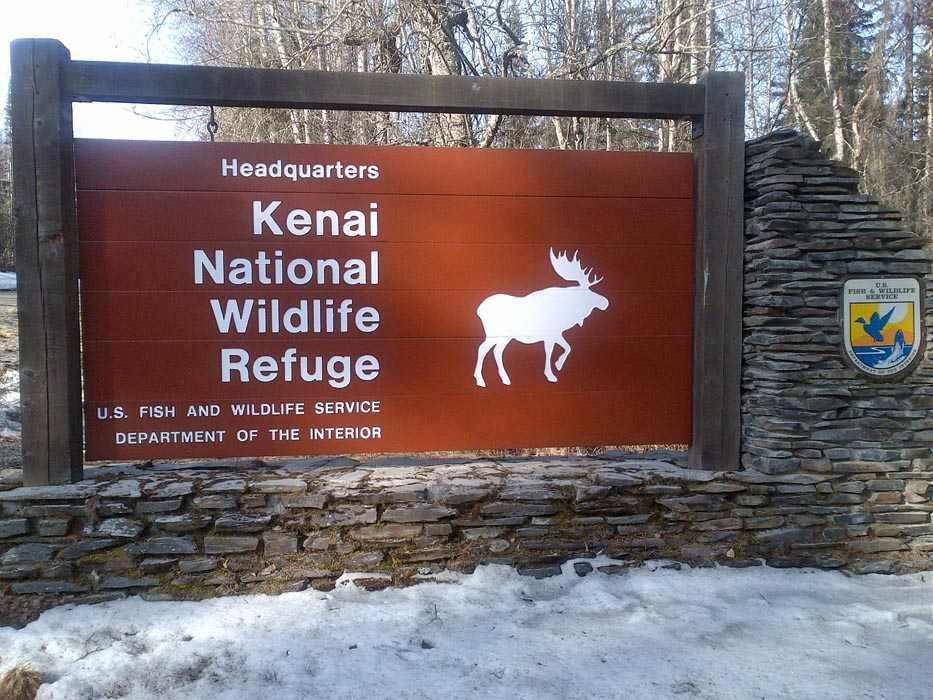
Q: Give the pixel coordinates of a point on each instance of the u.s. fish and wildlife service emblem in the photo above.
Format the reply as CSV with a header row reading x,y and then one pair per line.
x,y
883,324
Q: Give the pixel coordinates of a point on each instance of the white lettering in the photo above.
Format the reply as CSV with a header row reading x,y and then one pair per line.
x,y
338,370
264,216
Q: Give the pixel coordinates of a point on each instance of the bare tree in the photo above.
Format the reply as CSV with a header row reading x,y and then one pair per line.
x,y
928,170
832,68
838,135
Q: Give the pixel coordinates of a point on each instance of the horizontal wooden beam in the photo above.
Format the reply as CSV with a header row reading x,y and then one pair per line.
x,y
148,83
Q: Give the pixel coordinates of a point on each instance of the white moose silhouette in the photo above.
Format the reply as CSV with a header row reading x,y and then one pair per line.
x,y
542,316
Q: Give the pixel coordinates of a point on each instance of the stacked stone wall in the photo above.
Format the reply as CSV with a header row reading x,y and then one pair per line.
x,y
195,533
837,468
805,410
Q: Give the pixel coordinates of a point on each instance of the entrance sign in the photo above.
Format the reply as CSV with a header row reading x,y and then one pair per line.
x,y
45,82
883,324
242,300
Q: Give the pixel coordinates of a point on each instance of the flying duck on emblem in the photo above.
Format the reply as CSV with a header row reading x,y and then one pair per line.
x,y
876,324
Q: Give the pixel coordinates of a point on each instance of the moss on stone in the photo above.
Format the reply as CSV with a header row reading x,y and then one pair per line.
x,y
103,556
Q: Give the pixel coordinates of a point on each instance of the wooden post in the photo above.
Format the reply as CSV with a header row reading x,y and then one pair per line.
x,y
46,263
719,148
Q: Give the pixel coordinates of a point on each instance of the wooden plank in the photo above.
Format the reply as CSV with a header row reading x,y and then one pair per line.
x,y
186,315
418,422
514,269
306,168
656,369
47,263
720,164
256,87
428,399
123,215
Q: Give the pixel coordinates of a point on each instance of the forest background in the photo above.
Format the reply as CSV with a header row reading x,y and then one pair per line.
x,y
857,75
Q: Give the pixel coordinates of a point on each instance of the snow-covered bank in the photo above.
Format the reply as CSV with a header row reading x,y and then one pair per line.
x,y
694,633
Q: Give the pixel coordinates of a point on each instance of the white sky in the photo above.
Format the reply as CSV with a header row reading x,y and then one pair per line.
x,y
93,30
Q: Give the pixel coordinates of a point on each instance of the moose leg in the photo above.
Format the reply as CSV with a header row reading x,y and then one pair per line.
x,y
548,351
481,353
497,353
565,346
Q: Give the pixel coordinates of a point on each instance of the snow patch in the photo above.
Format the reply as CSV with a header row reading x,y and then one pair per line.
x,y
662,633
10,418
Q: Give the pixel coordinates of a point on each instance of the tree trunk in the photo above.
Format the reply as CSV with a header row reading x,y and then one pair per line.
x,y
559,133
929,159
362,66
710,35
327,133
665,64
909,109
909,69
838,135
750,68
278,43
443,59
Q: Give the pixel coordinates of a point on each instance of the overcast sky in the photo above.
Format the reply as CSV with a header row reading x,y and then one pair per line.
x,y
101,30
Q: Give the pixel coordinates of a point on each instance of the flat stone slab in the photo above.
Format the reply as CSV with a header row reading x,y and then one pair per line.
x,y
85,547
129,488
342,516
13,527
186,522
165,545
239,522
215,502
65,492
120,582
53,527
155,564
226,486
417,514
48,587
150,507
230,545
304,500
29,553
616,479
170,489
279,486
279,543
200,565
387,533
123,528
753,477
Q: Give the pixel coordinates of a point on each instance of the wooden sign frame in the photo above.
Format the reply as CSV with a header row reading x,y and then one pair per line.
x,y
46,82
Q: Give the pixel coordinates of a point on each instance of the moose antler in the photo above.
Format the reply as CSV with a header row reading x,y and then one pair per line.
x,y
571,270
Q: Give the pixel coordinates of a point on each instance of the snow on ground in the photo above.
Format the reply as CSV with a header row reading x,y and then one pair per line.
x,y
649,633
10,426
7,281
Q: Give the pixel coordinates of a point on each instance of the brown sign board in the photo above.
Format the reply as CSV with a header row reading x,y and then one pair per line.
x,y
257,299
